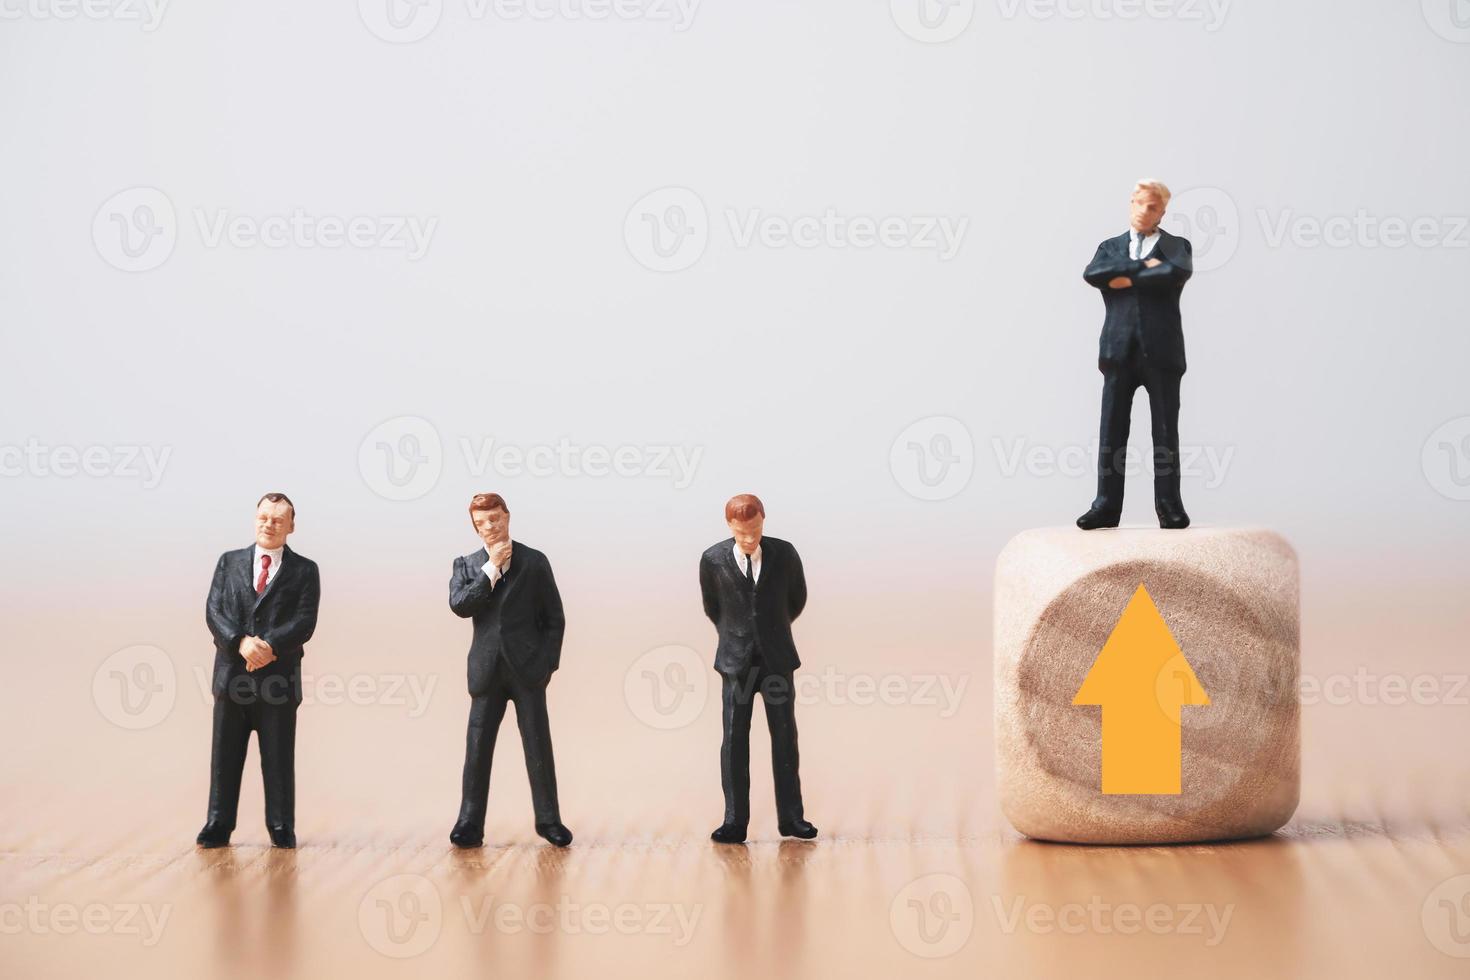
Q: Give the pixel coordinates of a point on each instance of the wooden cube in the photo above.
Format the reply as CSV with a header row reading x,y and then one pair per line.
x,y
1092,764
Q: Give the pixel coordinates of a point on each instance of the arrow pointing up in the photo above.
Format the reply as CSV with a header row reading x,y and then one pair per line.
x,y
1142,682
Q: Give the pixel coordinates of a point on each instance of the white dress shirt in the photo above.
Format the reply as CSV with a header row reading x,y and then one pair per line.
x,y
1140,250
755,562
270,575
493,573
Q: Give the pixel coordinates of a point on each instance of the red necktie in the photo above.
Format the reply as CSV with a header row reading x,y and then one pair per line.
x,y
265,566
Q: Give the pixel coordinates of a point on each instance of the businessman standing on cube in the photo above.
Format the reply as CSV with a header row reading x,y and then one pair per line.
x,y
1140,274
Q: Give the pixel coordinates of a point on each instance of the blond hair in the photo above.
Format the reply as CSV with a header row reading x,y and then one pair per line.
x,y
1154,186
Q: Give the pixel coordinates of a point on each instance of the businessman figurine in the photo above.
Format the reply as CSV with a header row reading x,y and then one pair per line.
x,y
753,589
507,589
261,611
1141,274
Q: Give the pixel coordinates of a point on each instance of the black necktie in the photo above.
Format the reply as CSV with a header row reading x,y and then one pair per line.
x,y
749,574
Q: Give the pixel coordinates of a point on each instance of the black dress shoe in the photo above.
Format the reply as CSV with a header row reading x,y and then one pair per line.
x,y
556,833
1172,515
282,837
1096,517
729,833
212,836
800,829
463,835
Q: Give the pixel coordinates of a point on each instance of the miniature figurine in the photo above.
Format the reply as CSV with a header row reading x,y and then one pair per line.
x,y
261,610
508,590
1141,274
753,589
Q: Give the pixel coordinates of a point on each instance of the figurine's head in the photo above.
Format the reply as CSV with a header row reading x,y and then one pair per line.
x,y
1150,198
491,517
275,517
746,516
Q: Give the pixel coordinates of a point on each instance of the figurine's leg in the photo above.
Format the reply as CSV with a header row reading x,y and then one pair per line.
x,y
1163,405
1119,384
779,696
737,702
535,726
486,712
276,734
226,762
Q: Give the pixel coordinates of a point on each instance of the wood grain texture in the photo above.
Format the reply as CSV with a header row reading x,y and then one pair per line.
x,y
1230,598
1367,880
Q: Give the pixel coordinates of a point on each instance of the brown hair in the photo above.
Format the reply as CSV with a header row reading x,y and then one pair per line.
x,y
487,501
277,498
743,507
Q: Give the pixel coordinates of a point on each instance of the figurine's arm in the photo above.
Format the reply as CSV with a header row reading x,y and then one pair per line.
x,y
1168,272
222,626
469,590
1105,267
294,632
552,618
710,590
796,601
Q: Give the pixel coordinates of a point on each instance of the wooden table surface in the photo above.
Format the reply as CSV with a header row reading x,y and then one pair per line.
x,y
915,872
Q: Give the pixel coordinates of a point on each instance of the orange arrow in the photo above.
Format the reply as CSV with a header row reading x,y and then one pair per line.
x,y
1142,681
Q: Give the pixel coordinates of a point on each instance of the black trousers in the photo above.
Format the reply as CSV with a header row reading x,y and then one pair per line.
x,y
273,720
486,712
1120,380
778,693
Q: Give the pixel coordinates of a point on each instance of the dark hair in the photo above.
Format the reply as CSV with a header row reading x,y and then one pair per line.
x,y
277,498
487,501
743,507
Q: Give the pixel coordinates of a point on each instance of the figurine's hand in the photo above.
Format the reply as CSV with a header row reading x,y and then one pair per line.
x,y
257,652
499,552
1119,282
260,661
1152,263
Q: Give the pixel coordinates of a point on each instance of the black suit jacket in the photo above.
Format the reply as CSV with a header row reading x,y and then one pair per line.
x,y
520,621
284,615
750,620
1148,308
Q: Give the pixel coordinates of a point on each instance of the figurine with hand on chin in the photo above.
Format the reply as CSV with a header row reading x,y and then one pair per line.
x,y
261,610
753,588
1140,274
507,589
